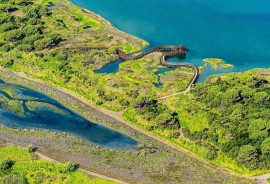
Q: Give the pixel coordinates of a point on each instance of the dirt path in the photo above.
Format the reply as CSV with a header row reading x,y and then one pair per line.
x,y
175,94
262,179
116,115
46,158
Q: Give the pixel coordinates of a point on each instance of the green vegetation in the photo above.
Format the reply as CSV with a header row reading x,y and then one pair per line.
x,y
17,165
153,162
153,116
217,63
33,37
11,105
237,107
12,92
16,154
35,105
224,120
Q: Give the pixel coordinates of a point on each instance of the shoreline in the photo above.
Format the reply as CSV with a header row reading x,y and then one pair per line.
x,y
118,118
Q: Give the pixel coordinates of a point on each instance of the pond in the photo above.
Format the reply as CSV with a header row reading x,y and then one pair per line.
x,y
24,108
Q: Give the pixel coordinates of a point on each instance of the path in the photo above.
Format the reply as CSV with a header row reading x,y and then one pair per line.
x,y
262,179
168,51
175,94
84,47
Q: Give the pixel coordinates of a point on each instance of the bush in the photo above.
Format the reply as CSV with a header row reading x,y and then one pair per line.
x,y
99,102
248,156
42,44
174,134
7,27
2,141
31,149
69,167
25,47
5,18
32,13
48,42
163,119
6,48
30,30
13,35
9,63
62,56
6,164
124,102
266,147
14,179
33,21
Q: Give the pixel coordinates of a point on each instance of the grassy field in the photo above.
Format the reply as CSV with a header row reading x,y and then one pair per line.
x,y
26,168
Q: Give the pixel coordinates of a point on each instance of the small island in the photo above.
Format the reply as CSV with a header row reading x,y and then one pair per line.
x,y
217,63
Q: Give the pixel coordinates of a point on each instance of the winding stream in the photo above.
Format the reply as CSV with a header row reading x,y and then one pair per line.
x,y
33,110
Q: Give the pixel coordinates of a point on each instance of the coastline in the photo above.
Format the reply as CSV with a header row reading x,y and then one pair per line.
x,y
72,99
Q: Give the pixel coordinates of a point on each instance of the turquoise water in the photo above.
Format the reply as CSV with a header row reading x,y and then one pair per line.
x,y
51,115
236,31
110,68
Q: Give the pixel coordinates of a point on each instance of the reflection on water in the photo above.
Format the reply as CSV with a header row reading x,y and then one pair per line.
x,y
21,107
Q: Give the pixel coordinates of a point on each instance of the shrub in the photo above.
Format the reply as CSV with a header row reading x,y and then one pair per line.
x,y
31,149
124,102
5,48
7,27
9,63
248,156
14,179
25,47
266,146
33,21
99,102
13,35
6,164
69,167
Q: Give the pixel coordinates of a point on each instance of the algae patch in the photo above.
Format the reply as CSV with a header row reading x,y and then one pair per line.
x,y
217,63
